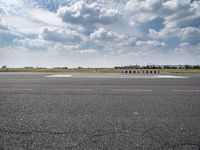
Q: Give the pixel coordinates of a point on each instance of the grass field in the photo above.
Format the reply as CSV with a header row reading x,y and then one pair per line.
x,y
95,70
82,70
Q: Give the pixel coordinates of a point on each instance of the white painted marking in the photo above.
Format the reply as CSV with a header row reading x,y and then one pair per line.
x,y
85,90
59,76
187,91
8,89
171,77
114,76
130,90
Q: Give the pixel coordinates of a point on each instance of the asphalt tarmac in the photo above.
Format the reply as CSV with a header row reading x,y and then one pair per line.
x,y
46,111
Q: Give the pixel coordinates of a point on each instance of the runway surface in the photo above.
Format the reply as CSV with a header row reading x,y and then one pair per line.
x,y
49,111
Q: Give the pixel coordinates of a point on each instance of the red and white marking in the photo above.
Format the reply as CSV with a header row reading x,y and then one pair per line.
x,y
186,91
84,90
131,90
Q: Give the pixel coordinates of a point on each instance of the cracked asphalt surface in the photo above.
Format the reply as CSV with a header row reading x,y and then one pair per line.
x,y
39,113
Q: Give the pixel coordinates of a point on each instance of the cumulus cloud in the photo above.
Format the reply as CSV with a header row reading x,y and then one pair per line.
x,y
150,43
187,53
89,33
188,49
174,12
178,18
112,40
50,46
149,9
88,14
33,44
189,34
103,35
121,44
87,52
62,35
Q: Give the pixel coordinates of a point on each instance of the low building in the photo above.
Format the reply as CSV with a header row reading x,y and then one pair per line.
x,y
28,67
3,67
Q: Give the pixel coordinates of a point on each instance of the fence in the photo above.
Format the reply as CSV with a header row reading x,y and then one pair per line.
x,y
141,71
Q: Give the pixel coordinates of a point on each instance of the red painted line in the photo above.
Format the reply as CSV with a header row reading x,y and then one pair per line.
x,y
86,90
130,90
187,91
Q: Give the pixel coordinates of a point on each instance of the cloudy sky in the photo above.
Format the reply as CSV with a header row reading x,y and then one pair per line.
x,y
99,33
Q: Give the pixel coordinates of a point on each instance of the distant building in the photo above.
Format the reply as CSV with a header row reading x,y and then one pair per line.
x,y
28,67
3,67
56,68
180,67
128,67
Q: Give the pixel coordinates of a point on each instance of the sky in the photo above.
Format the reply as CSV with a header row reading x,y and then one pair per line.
x,y
99,33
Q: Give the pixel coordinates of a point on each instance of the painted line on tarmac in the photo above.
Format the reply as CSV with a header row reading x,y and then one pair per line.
x,y
186,91
171,77
125,76
84,90
131,90
8,89
59,76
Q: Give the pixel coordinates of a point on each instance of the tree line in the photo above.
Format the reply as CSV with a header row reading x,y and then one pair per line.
x,y
159,67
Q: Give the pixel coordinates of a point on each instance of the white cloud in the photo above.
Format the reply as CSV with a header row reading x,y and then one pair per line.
x,y
190,34
181,18
88,14
121,41
149,44
50,47
3,26
170,10
149,9
24,18
103,35
92,33
164,33
87,52
33,44
184,34
111,40
125,46
175,13
62,35
45,16
188,49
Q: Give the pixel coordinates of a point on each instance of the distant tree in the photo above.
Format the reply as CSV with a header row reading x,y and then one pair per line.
x,y
187,67
196,67
167,67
